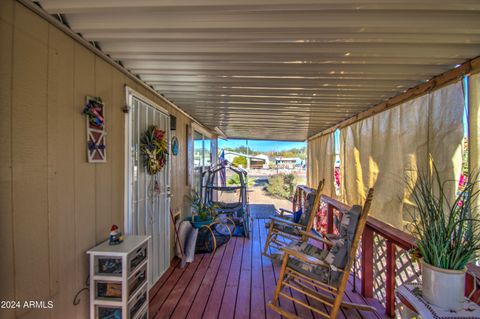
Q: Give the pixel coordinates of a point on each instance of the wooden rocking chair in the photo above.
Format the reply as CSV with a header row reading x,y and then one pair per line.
x,y
323,274
282,229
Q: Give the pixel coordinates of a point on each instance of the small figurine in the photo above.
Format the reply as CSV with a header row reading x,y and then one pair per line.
x,y
116,236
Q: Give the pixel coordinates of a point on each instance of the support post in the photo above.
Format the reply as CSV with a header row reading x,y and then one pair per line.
x,y
367,262
471,289
329,219
390,284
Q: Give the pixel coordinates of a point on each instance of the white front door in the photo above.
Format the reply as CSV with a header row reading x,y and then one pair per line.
x,y
148,206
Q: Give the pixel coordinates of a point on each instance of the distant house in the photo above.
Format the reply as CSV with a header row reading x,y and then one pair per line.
x,y
260,161
288,162
253,161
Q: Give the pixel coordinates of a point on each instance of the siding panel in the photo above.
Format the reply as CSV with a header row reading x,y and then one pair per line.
x,y
7,288
61,170
29,159
85,197
117,148
103,204
54,205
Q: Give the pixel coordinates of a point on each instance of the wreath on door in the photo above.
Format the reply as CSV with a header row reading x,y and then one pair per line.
x,y
154,148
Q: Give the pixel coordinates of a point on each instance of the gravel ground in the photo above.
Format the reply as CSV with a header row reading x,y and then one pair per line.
x,y
262,205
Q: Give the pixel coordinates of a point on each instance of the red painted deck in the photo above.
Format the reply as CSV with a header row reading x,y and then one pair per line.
x,y
235,282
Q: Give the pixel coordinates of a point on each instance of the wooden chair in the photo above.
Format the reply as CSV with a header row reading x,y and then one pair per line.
x,y
323,275
282,229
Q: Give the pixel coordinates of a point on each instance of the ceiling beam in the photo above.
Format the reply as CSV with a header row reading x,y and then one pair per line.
x,y
232,89
298,49
308,35
88,6
334,20
282,97
240,70
170,61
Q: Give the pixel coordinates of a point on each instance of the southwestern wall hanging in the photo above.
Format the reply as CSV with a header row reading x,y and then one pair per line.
x,y
154,148
96,136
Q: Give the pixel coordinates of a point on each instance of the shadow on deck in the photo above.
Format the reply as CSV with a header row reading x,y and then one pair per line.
x,y
235,282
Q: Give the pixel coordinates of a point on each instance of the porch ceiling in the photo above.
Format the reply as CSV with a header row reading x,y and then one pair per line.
x,y
278,69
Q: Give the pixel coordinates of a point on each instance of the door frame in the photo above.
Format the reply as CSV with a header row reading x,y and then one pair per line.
x,y
128,224
129,93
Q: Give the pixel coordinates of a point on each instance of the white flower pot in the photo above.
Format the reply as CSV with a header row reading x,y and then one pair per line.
x,y
444,288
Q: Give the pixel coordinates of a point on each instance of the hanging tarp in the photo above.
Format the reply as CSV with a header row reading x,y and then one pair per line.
x,y
474,129
383,150
321,161
446,132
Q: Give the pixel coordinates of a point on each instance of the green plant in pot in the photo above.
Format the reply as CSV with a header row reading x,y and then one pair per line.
x,y
447,236
203,214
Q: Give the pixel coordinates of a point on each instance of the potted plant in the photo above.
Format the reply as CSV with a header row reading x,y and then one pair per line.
x,y
447,236
203,214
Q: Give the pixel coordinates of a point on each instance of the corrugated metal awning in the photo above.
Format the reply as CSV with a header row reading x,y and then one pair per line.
x,y
278,69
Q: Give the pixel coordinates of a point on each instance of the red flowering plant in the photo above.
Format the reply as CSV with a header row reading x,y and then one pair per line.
x,y
154,149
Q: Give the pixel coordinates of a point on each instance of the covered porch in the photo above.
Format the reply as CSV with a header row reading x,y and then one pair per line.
x,y
378,90
238,281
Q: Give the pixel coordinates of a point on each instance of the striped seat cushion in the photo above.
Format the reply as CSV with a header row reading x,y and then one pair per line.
x,y
335,258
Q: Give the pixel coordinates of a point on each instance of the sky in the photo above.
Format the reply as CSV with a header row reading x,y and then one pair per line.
x,y
261,146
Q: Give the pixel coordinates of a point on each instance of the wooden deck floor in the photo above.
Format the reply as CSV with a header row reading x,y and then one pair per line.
x,y
235,282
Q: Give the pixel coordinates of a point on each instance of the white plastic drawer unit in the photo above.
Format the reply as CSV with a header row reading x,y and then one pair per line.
x,y
108,312
137,303
119,279
143,314
106,290
108,266
137,257
137,279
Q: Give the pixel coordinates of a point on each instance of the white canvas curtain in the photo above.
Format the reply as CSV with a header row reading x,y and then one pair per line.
x,y
474,129
383,150
321,161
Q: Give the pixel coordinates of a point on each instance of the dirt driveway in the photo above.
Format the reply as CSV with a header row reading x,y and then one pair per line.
x,y
263,205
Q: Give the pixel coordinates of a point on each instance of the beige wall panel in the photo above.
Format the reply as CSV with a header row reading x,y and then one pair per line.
x,y
152,97
103,173
117,148
7,287
179,188
61,140
6,11
179,166
130,83
30,23
29,160
85,196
